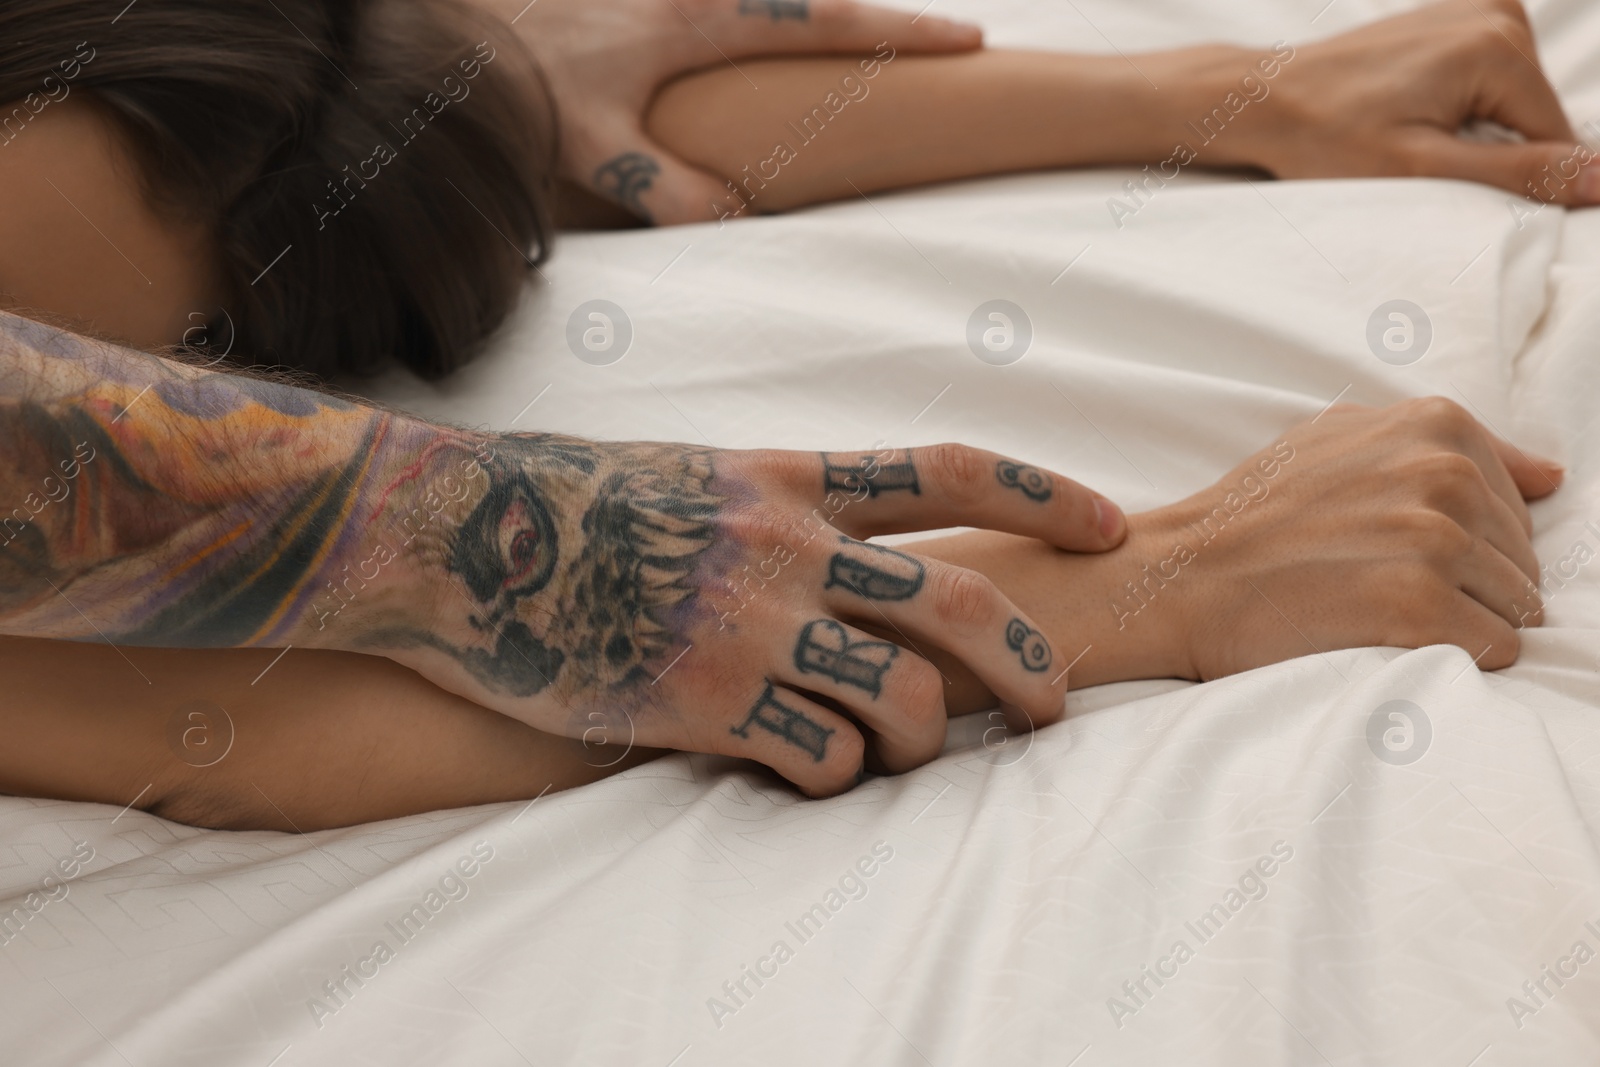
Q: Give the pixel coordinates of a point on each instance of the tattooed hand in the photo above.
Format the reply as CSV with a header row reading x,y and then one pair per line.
x,y
652,594
724,602
605,61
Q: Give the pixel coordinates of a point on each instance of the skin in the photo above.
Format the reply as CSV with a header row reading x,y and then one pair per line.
x,y
629,590
933,117
1318,556
1386,99
83,246
824,685
604,62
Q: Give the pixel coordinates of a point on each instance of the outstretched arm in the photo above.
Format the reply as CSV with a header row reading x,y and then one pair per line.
x,y
1401,527
604,61
1387,99
626,590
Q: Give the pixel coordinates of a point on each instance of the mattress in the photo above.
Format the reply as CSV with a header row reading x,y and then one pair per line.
x,y
1366,857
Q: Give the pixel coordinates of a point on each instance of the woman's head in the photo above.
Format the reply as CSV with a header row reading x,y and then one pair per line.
x,y
338,182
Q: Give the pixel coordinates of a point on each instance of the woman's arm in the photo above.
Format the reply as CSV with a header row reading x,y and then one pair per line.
x,y
1402,527
1386,99
603,60
239,739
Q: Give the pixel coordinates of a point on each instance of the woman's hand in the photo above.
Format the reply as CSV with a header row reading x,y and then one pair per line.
x,y
1403,526
605,61
1388,99
711,601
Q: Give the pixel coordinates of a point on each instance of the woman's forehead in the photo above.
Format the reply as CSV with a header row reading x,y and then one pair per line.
x,y
80,244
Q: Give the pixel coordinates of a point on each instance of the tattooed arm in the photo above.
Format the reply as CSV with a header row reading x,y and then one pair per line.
x,y
1386,99
622,591
1397,527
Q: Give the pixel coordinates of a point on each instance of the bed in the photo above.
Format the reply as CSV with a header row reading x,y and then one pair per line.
x,y
1367,857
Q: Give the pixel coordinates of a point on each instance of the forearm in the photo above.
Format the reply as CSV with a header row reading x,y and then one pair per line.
x,y
821,129
163,505
1104,631
158,504
240,739
213,738
148,502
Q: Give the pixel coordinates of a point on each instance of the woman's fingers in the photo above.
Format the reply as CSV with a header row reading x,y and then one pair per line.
x,y
1534,476
941,486
619,162
1466,492
959,611
1488,577
1557,172
1513,90
895,694
816,749
1481,633
1512,474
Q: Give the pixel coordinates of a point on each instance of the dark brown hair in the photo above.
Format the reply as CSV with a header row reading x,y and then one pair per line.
x,y
376,172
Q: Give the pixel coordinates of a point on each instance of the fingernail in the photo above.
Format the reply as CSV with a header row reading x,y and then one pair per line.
x,y
1551,466
1111,518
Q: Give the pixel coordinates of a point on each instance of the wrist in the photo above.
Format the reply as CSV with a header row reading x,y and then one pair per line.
x,y
1109,615
1152,595
380,587
1212,102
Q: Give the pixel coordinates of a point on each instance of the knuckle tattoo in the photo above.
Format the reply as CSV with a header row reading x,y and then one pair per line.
x,y
1029,644
1033,482
859,475
825,648
884,575
793,726
626,178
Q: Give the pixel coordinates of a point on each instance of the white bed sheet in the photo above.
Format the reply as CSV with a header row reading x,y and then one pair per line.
x,y
1029,877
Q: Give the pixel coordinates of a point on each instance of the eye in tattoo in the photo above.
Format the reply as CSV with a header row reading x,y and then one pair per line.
x,y
896,576
1029,644
825,648
799,10
867,471
610,605
779,718
506,548
1034,483
626,179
